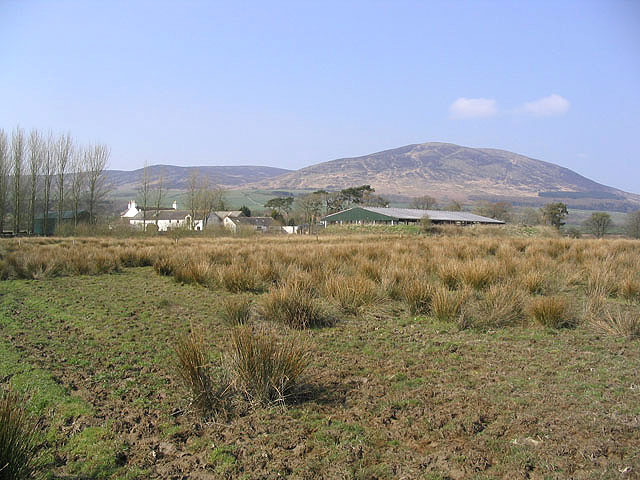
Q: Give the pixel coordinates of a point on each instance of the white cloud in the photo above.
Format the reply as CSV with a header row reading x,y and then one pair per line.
x,y
473,108
547,106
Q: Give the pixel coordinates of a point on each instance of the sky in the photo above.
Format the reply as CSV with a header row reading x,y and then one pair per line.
x,y
290,84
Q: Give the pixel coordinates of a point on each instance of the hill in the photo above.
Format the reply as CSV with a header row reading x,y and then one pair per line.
x,y
451,171
177,178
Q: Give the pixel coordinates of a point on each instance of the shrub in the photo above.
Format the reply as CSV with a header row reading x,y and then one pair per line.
x,y
18,439
264,368
236,310
196,372
553,312
295,306
418,294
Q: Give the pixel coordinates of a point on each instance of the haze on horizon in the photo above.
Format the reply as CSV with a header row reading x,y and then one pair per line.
x,y
289,84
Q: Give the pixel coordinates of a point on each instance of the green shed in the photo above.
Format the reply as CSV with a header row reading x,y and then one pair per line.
x,y
52,221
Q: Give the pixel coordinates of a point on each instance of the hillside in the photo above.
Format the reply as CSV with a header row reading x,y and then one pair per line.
x,y
450,171
177,178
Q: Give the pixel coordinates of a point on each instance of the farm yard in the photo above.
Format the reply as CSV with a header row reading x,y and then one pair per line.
x,y
467,354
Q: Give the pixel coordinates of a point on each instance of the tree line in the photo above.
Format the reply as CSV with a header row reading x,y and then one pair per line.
x,y
44,174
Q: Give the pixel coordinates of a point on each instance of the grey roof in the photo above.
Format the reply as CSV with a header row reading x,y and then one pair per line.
x,y
257,221
163,215
229,213
435,215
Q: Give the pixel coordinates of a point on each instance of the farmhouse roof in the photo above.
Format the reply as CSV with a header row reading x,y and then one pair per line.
x,y
163,215
256,221
399,214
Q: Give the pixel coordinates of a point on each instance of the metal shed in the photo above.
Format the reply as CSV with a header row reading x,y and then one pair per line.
x,y
391,216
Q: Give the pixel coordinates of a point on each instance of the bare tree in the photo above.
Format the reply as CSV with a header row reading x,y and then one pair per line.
x,y
48,172
144,194
64,147
36,154
17,152
211,198
311,208
4,177
632,224
194,194
424,202
96,160
158,193
78,179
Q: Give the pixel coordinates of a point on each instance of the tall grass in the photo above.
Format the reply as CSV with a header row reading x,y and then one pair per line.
x,y
193,366
418,294
617,321
552,312
295,306
265,368
18,439
236,310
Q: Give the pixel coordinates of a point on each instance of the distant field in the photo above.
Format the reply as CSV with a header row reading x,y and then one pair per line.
x,y
465,356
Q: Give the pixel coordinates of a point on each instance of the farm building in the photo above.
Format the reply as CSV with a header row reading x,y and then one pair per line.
x,y
373,215
168,218
52,221
262,224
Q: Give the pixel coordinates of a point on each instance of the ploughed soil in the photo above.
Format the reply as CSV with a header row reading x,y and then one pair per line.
x,y
387,395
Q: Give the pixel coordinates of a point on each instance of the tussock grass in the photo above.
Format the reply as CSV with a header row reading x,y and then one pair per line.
x,y
418,294
237,278
500,306
618,321
197,374
446,304
236,310
352,294
264,368
294,305
552,312
18,439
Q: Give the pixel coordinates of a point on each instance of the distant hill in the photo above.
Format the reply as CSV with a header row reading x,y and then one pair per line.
x,y
177,178
444,170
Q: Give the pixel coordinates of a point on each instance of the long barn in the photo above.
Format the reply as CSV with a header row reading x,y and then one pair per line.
x,y
373,215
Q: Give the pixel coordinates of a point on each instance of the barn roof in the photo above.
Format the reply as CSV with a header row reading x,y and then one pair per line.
x,y
399,214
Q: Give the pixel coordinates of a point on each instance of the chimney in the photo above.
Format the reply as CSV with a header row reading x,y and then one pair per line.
x,y
175,205
133,204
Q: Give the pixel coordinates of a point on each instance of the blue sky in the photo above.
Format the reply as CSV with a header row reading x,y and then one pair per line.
x,y
290,84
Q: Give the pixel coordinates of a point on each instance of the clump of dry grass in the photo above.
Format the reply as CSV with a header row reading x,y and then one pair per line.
x,y
352,294
618,322
265,368
478,274
629,287
446,304
18,439
236,310
195,270
164,266
294,305
418,294
196,371
238,278
552,312
500,306
534,282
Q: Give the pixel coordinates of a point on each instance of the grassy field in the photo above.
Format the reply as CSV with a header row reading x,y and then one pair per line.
x,y
451,356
